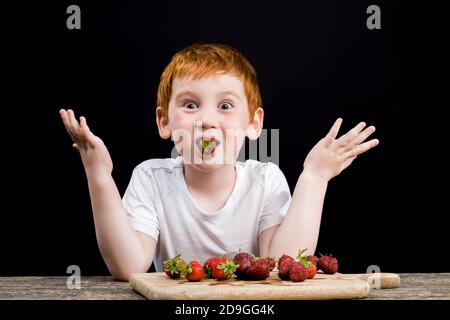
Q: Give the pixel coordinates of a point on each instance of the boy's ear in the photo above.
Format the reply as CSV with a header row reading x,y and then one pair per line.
x,y
256,124
162,121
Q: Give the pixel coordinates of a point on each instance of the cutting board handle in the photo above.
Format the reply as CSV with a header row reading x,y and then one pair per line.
x,y
381,280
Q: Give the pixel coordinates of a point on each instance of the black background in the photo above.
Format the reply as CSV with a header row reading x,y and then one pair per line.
x,y
316,61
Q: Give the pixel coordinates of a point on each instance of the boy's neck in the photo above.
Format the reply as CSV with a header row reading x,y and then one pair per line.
x,y
213,181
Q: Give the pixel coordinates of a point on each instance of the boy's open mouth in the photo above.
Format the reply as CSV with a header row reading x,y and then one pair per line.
x,y
207,145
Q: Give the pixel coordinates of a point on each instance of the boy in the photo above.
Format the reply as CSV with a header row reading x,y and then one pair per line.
x,y
205,203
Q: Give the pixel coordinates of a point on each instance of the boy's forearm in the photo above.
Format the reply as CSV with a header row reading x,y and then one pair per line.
x,y
300,227
119,244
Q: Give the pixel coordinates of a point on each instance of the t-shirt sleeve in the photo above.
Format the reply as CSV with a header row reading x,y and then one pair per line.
x,y
139,203
276,200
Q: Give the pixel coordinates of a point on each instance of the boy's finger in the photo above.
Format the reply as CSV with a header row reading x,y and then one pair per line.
x,y
361,148
84,126
353,133
73,122
332,134
359,139
83,122
86,131
347,138
64,118
67,124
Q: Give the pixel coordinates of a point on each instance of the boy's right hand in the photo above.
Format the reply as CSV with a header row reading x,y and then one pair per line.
x,y
94,154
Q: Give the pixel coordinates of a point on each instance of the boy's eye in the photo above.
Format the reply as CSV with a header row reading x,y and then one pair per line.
x,y
190,105
225,106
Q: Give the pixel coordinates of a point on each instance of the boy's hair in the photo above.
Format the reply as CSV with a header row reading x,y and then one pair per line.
x,y
201,60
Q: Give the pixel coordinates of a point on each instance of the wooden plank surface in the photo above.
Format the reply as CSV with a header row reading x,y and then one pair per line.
x,y
413,286
55,288
417,286
322,287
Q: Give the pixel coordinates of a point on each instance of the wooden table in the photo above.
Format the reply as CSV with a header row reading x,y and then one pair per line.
x,y
413,286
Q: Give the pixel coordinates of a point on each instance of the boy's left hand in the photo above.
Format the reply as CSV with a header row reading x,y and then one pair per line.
x,y
330,155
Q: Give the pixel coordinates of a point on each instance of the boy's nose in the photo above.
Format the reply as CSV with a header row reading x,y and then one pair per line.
x,y
206,124
207,119
202,125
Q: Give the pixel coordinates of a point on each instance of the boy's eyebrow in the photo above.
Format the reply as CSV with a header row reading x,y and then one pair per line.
x,y
223,93
185,92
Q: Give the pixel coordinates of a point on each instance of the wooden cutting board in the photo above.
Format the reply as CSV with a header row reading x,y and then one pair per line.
x,y
157,285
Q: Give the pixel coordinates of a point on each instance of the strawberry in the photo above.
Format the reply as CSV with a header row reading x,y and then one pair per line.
x,y
224,270
210,264
194,271
308,262
271,261
313,259
258,270
207,145
284,259
298,272
284,268
243,260
328,264
174,267
312,271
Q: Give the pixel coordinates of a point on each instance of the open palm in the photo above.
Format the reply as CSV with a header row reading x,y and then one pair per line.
x,y
94,154
330,155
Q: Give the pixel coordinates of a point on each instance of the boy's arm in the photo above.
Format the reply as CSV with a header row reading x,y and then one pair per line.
x,y
300,227
124,250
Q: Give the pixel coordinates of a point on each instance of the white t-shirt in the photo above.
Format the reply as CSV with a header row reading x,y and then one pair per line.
x,y
159,204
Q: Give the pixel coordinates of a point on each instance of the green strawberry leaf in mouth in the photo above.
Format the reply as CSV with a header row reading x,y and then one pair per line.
x,y
207,145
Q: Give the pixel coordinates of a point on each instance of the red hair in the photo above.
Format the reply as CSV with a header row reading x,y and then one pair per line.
x,y
202,60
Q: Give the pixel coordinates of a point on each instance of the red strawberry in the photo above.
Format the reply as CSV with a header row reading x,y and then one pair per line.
x,y
283,259
243,261
308,262
258,270
210,264
312,271
174,267
271,261
298,272
224,270
313,259
284,268
194,271
328,264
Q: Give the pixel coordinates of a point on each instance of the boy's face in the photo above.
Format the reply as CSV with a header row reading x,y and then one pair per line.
x,y
208,119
